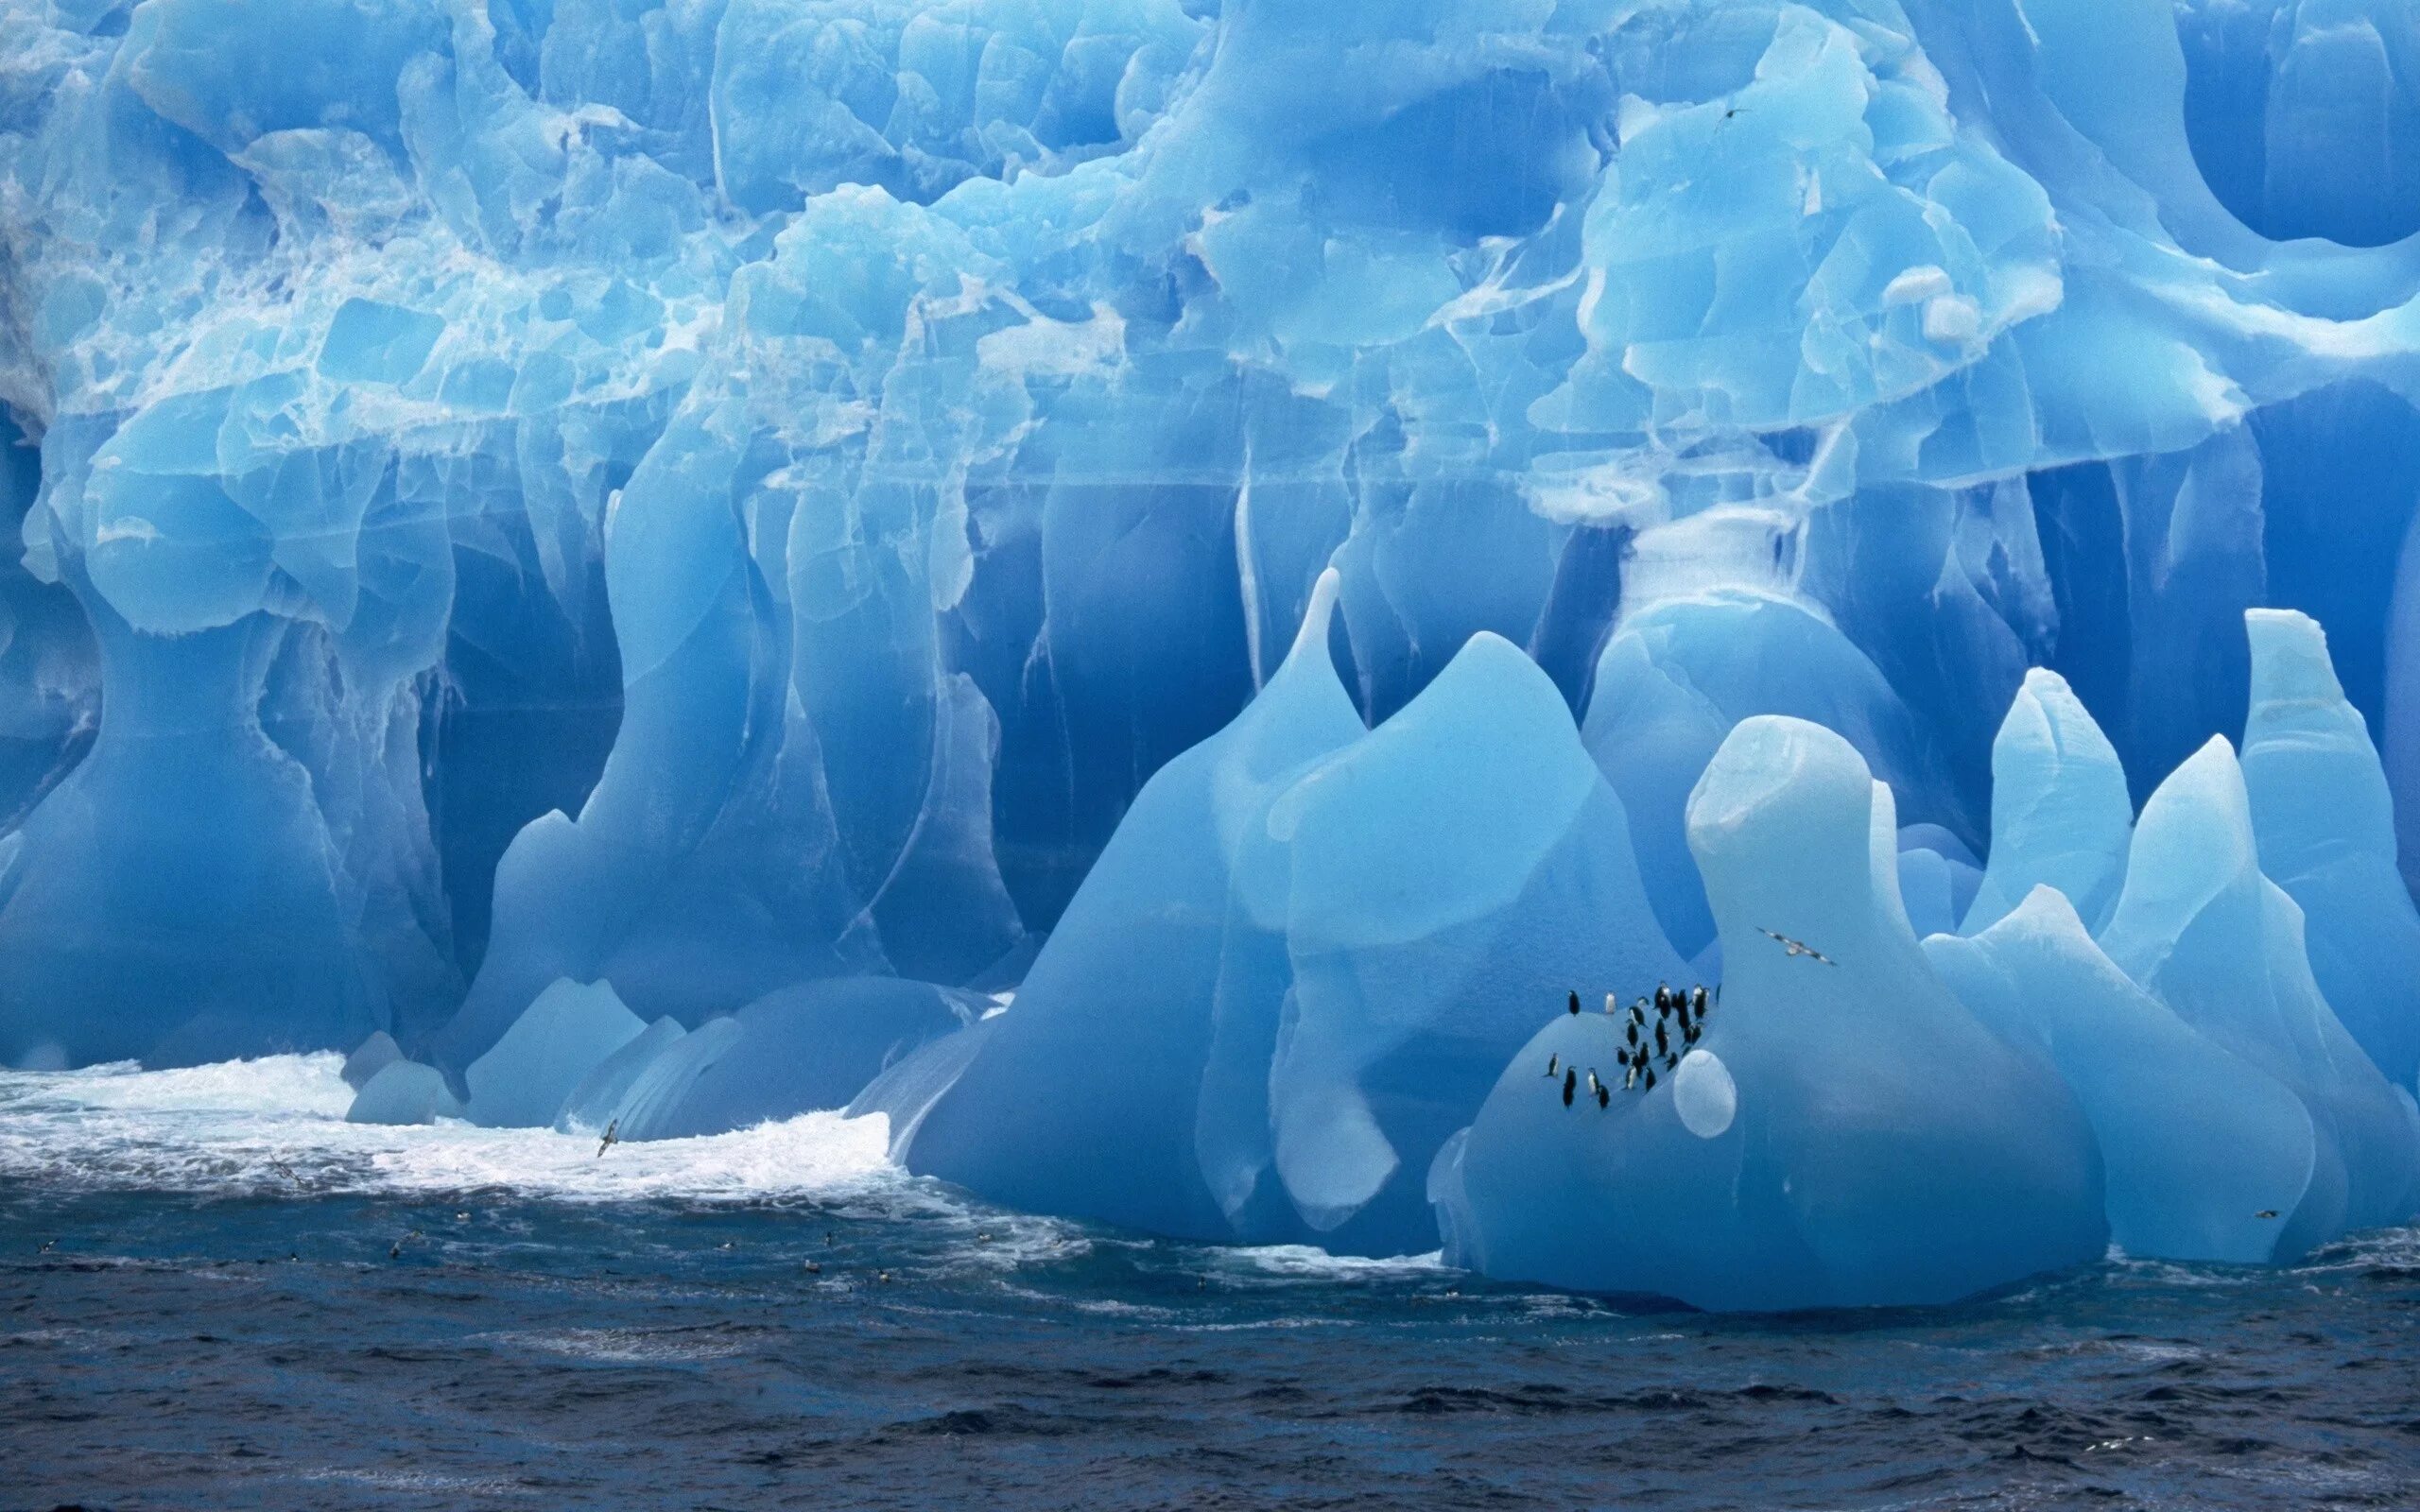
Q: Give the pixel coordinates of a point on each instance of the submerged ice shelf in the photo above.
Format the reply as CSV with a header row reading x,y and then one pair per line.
x,y
672,558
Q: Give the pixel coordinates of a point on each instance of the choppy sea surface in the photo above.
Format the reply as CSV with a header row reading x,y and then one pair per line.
x,y
215,1292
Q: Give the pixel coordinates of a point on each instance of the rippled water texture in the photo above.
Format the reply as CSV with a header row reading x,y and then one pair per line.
x,y
248,1303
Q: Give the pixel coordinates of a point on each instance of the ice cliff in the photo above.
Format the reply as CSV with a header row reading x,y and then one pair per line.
x,y
673,557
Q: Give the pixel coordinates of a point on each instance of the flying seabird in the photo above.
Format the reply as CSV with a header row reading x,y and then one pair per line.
x,y
1793,947
2266,1212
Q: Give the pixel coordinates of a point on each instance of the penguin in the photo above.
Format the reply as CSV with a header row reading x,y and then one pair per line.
x,y
1650,1079
1629,1077
1575,1004
1570,1086
1638,1009
1621,1057
1610,1009
1594,1087
1670,1061
1663,1041
1554,1063
1689,1034
1662,999
1604,1095
1633,1031
1697,1000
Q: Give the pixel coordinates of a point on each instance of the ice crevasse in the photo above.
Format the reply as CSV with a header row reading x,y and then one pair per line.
x,y
1145,586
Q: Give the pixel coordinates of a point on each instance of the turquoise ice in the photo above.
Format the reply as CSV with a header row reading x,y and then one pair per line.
x,y
755,505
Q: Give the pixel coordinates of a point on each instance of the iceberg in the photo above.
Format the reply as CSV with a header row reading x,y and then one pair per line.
x,y
404,1091
596,1104
2323,820
2197,1143
2061,816
551,1050
1391,911
1846,1133
2200,928
1240,524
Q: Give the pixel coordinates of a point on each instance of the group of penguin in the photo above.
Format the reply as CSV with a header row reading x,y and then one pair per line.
x,y
1675,1010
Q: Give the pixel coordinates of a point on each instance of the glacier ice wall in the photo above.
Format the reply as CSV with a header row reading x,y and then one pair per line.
x,y
711,496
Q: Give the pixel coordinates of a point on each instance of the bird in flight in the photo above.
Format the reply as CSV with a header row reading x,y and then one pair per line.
x,y
1793,947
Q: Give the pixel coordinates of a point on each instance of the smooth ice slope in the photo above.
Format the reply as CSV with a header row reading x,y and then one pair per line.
x,y
1394,911
2325,821
596,1104
808,1047
1463,867
1883,1147
2060,814
1679,676
2201,929
2196,1142
1084,1097
573,1028
404,1091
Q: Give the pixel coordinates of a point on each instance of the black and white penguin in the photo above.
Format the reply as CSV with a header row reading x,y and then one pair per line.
x,y
1633,1031
1650,1079
1604,1095
1698,1000
1575,1004
1570,1087
1554,1063
1663,1041
1662,999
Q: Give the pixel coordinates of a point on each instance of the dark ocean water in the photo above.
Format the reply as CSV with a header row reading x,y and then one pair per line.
x,y
248,1304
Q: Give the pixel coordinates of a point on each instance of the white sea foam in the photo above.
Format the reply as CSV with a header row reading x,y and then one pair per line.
x,y
278,1123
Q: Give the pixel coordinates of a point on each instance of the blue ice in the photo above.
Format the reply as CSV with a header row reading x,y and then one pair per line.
x,y
791,511
1851,1136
